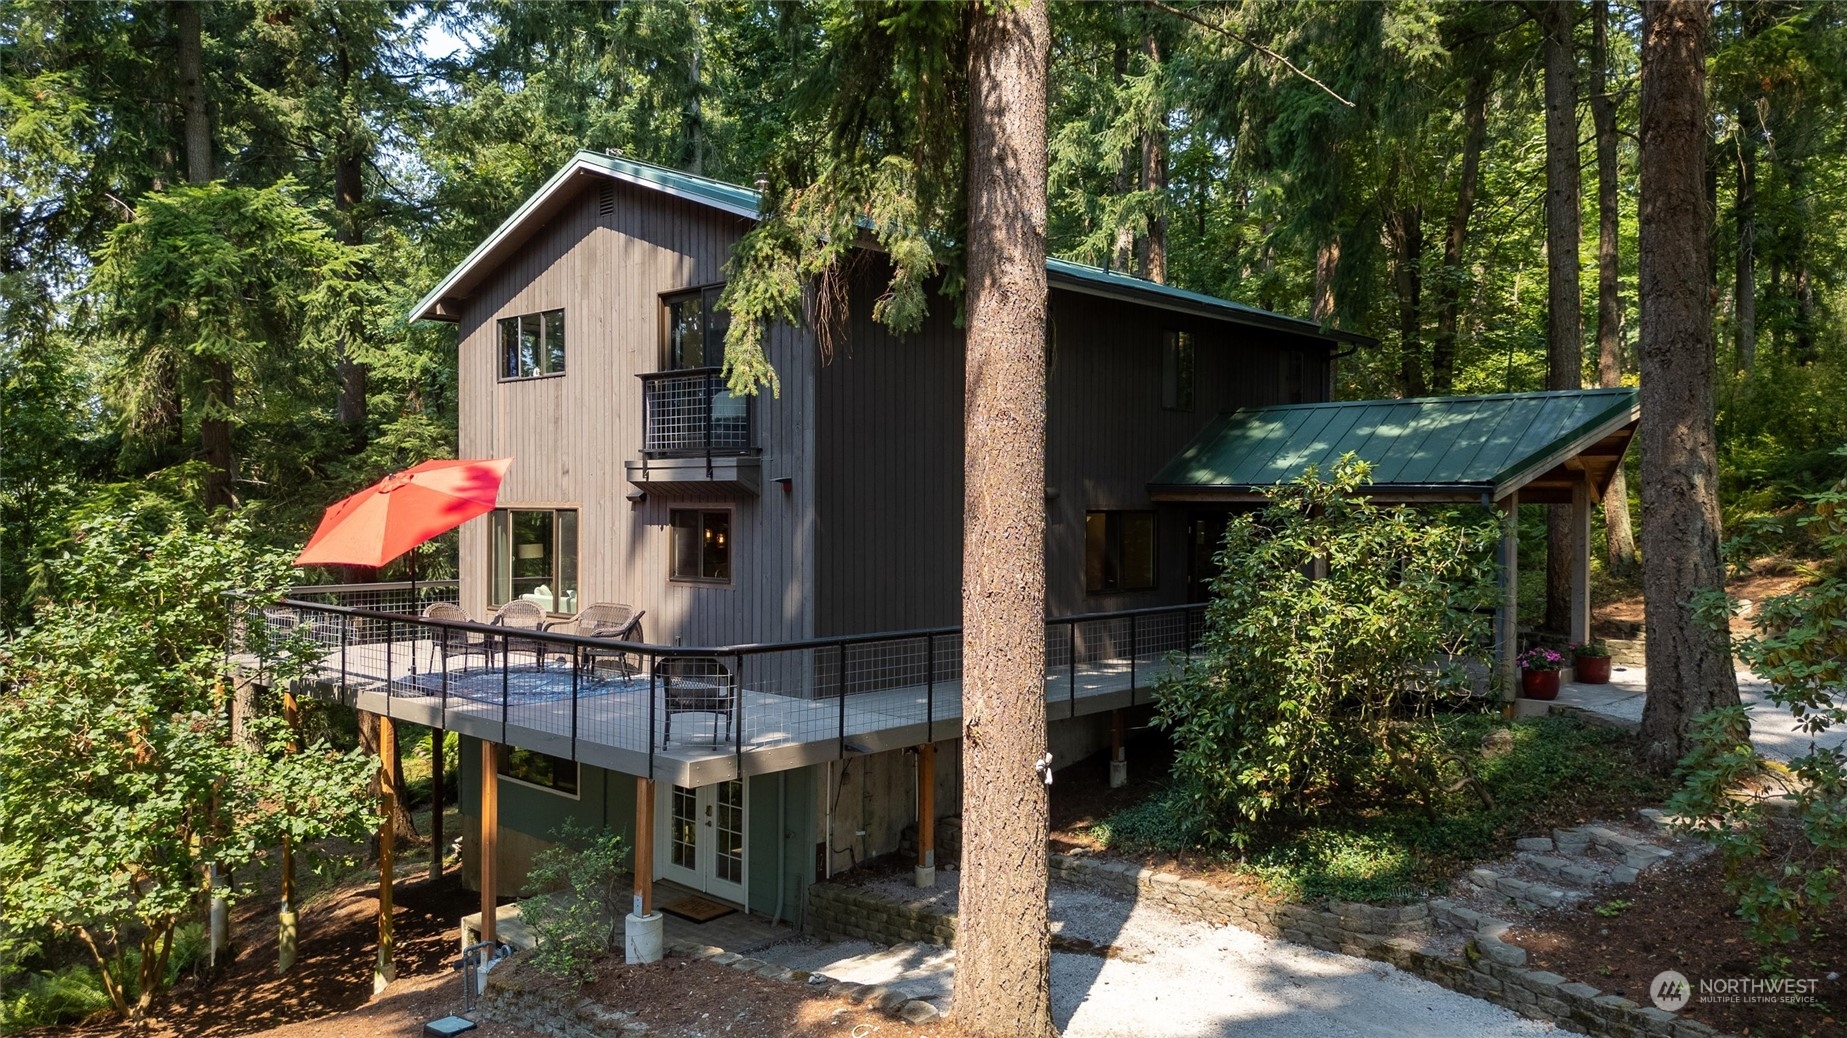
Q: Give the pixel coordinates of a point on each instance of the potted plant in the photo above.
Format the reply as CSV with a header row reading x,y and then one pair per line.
x,y
1591,663
1539,672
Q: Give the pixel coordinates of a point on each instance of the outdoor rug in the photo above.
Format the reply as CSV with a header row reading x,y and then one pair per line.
x,y
698,909
527,684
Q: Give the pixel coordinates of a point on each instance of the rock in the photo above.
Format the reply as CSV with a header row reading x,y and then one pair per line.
x,y
917,1012
1534,843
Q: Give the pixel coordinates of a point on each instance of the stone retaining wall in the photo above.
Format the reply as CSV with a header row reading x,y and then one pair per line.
x,y
841,911
517,999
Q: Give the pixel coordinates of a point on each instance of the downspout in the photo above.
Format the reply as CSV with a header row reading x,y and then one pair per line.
x,y
782,842
827,797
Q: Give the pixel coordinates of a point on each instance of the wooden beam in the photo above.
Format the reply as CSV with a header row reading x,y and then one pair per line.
x,y
384,972
644,847
1581,497
1507,639
436,803
490,839
926,806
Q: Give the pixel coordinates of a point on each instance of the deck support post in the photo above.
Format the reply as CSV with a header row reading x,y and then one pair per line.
x,y
644,929
287,920
490,841
384,972
926,816
1507,637
1580,558
1118,757
436,803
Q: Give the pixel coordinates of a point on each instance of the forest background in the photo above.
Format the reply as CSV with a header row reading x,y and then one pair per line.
x,y
185,338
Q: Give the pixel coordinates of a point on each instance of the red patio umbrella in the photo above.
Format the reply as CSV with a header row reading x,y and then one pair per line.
x,y
403,510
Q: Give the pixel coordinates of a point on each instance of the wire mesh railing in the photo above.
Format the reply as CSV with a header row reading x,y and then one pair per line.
x,y
693,412
626,704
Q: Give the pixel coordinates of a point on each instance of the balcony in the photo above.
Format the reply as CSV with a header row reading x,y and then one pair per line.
x,y
614,704
696,437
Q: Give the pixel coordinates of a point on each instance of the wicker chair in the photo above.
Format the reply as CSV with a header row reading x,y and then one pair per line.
x,y
698,685
519,615
456,643
607,621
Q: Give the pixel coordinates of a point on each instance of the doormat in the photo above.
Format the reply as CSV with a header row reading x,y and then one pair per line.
x,y
698,909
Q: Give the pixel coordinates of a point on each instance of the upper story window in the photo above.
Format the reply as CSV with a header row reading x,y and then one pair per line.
x,y
693,329
532,345
533,556
539,769
1177,360
1118,551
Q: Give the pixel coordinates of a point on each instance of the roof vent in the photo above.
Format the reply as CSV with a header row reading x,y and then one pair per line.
x,y
606,199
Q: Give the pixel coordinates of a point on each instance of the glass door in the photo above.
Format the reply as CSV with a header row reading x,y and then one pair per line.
x,y
702,839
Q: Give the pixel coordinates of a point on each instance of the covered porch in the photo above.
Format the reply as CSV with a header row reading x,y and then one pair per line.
x,y
1559,448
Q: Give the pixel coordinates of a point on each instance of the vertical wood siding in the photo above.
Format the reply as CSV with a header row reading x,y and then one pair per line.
x,y
569,436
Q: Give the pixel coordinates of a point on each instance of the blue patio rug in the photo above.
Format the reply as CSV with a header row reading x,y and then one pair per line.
x,y
524,684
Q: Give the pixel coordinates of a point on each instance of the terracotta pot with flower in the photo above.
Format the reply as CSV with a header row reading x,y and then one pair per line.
x,y
1590,663
1539,672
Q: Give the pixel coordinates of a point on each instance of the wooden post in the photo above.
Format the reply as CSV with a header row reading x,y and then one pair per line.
x,y
436,803
384,972
644,847
287,929
490,839
1580,558
1509,634
926,815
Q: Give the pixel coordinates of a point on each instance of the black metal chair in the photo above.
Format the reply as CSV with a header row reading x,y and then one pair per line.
x,y
697,685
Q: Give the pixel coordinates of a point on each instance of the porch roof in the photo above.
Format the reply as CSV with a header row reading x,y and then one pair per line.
x,y
1422,449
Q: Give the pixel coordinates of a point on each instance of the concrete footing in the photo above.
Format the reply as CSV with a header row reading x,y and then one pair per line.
x,y
645,937
1118,774
925,876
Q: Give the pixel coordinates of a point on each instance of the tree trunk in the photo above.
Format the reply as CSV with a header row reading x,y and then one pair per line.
x,y
349,190
1002,984
192,92
1689,656
1564,321
402,824
1404,229
1619,530
1154,176
1449,313
1122,254
1327,265
1744,283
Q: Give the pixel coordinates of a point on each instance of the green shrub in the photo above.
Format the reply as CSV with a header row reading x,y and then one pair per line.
x,y
1311,688
72,993
580,916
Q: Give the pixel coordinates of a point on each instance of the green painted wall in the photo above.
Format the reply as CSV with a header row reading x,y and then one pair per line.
x,y
606,799
795,790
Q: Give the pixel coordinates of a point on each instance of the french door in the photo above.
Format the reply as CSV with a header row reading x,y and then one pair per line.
x,y
701,844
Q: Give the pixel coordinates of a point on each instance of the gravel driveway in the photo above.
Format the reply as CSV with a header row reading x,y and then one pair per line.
x,y
1171,977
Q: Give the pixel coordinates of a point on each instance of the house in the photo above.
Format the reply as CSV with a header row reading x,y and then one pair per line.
x,y
798,556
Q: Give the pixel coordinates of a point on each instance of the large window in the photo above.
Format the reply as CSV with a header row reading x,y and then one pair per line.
x,y
534,558
701,549
532,345
1177,359
1118,551
693,329
539,769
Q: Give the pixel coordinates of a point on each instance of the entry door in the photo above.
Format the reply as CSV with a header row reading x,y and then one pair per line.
x,y
702,842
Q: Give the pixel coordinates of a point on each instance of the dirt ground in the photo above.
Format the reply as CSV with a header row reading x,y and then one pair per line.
x,y
1769,577
1679,918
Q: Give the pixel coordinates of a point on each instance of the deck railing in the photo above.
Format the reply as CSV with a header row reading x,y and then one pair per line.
x,y
691,412
559,693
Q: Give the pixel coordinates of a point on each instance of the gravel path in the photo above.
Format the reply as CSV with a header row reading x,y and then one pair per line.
x,y
1169,977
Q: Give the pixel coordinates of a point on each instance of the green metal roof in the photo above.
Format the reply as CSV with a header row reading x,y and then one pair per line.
x,y
1423,447
744,202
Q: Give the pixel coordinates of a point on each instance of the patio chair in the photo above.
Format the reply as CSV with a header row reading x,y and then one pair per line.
x,y
519,615
455,643
608,621
697,685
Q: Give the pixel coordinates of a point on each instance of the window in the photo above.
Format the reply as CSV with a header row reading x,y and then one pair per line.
x,y
532,345
701,548
693,329
534,557
1177,357
539,769
1118,551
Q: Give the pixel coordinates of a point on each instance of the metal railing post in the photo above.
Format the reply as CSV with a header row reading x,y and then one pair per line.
x,y
654,677
445,653
344,621
1071,663
577,656
930,687
737,711
1131,659
840,679
506,652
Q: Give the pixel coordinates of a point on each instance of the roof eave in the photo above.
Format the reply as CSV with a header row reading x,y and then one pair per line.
x,y
1610,421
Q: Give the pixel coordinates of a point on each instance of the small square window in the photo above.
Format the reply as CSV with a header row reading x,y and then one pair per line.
x,y
532,345
1118,552
1177,361
701,545
539,769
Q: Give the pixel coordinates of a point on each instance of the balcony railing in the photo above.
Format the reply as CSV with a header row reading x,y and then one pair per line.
x,y
691,412
739,709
